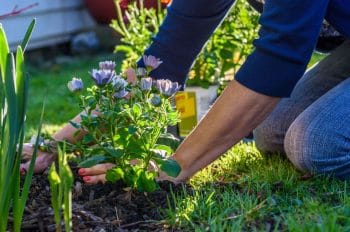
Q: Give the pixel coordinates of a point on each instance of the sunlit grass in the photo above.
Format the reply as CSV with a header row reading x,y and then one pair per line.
x,y
250,191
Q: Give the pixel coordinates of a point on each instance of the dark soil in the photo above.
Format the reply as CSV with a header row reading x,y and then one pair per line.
x,y
108,207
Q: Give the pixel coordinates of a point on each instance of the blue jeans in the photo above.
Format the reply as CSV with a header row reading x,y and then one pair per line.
x,y
312,127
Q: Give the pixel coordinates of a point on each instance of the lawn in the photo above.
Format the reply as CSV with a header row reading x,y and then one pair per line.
x,y
243,190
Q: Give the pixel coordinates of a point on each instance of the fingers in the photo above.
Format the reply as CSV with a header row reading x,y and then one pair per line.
x,y
27,151
95,170
42,162
95,174
91,180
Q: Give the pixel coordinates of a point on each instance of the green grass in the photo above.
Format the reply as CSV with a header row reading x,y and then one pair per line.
x,y
244,190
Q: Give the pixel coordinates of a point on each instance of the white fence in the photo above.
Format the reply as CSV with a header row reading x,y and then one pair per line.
x,y
57,20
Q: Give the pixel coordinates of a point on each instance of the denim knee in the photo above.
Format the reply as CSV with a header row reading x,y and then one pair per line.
x,y
318,147
267,138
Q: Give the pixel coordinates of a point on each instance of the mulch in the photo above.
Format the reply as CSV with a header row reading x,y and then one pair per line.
x,y
103,207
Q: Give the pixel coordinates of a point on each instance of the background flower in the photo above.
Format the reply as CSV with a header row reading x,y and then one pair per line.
x,y
75,85
110,65
102,77
151,61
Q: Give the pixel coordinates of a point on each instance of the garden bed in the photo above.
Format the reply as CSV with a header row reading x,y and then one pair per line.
x,y
103,207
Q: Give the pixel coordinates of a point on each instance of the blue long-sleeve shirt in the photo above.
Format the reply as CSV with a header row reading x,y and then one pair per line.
x,y
288,34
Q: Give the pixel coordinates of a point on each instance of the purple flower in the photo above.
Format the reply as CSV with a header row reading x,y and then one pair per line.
x,y
75,85
167,87
102,77
121,94
146,83
156,100
151,62
119,83
108,65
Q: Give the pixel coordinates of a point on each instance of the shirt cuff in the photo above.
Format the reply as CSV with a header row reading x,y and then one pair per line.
x,y
269,74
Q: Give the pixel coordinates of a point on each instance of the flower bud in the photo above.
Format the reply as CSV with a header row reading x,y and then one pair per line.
x,y
146,83
121,94
156,100
75,85
141,72
119,83
151,62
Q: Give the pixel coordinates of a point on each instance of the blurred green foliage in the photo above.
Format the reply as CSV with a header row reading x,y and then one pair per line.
x,y
227,48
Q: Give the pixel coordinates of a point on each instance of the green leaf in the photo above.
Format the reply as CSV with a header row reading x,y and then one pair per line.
x,y
18,213
4,51
165,148
132,129
75,125
28,35
146,181
91,161
67,176
130,176
169,140
115,153
137,110
88,139
226,54
173,118
123,48
169,166
54,181
53,176
21,82
161,154
114,174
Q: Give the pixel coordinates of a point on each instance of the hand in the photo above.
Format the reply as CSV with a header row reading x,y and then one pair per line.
x,y
42,162
97,174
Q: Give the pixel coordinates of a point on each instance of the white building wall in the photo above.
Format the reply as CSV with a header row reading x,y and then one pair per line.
x,y
57,21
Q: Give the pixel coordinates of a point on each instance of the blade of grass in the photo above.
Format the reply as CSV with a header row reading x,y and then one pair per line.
x,y
21,98
8,144
28,35
4,51
18,211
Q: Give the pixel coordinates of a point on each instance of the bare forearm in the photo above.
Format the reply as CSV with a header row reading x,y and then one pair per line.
x,y
66,133
236,112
